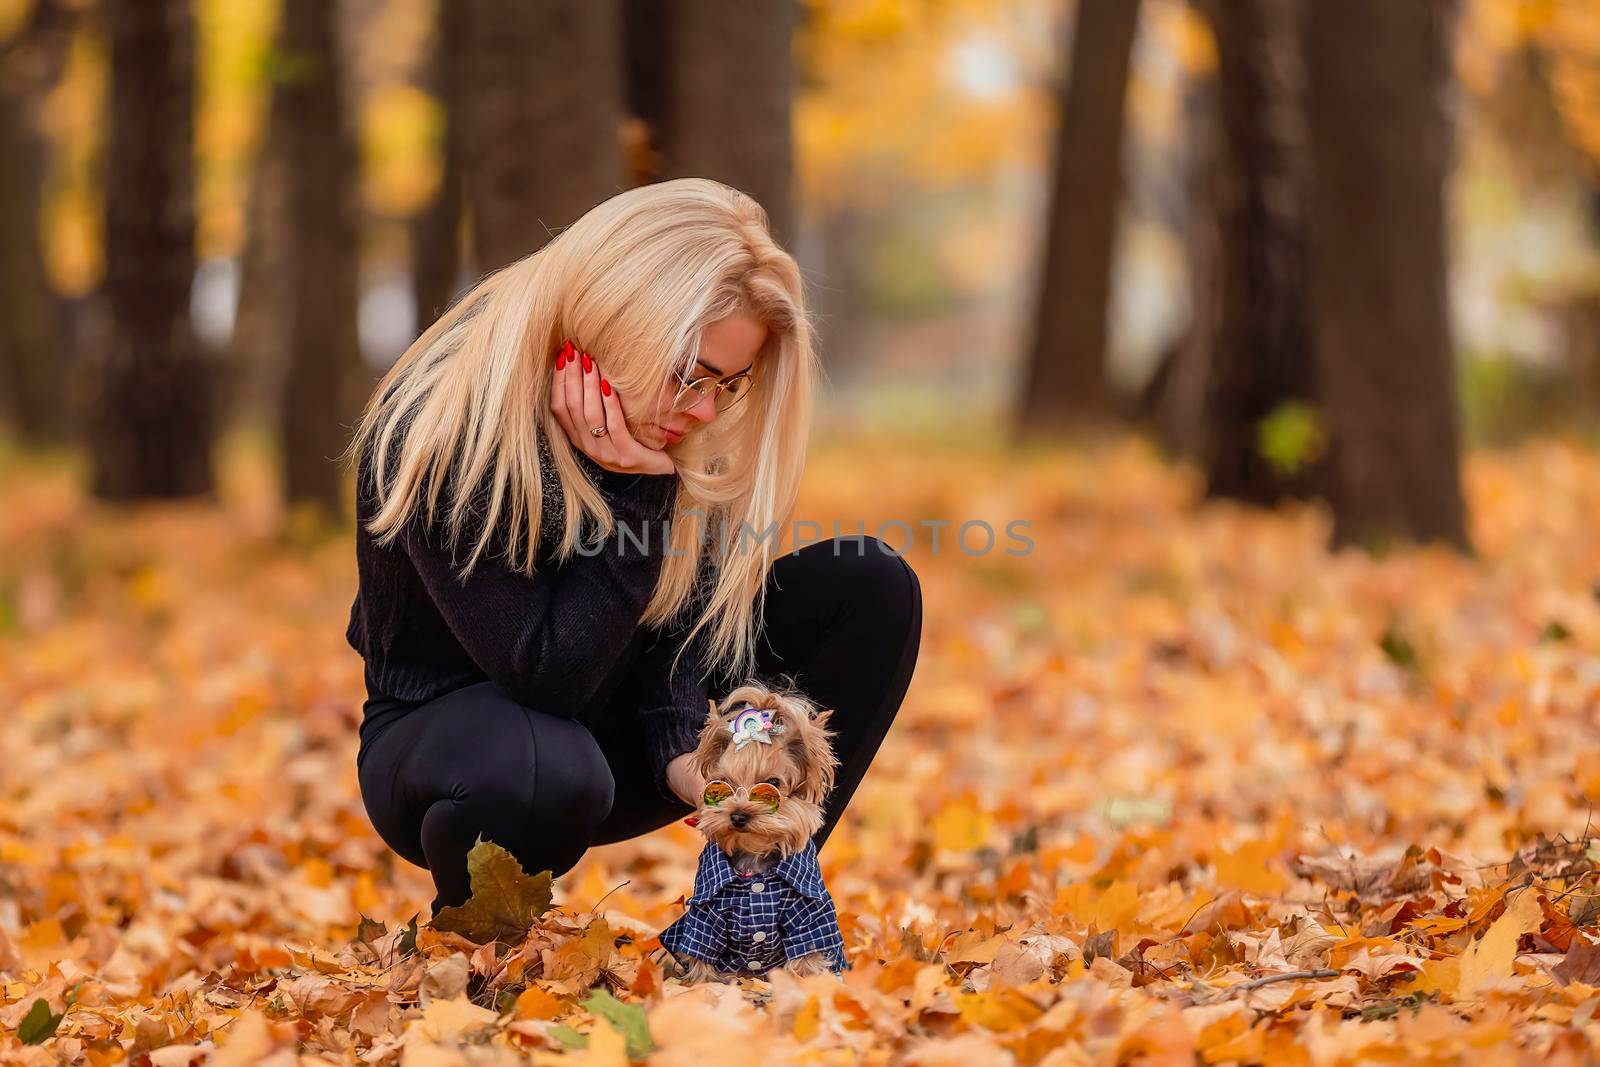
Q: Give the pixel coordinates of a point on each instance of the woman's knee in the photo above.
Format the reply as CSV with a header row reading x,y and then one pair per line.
x,y
546,815
556,775
897,581
896,593
866,571
572,779
452,827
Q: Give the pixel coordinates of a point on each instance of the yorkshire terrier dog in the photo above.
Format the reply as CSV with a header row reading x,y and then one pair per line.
x,y
759,902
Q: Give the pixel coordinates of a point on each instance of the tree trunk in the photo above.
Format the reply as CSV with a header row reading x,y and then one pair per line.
x,y
33,341
323,215
1580,321
647,84
842,234
436,233
1066,379
540,137
260,344
152,425
1380,146
1177,397
729,101
1256,348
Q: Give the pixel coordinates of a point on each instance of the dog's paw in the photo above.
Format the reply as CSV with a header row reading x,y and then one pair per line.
x,y
700,970
809,964
669,964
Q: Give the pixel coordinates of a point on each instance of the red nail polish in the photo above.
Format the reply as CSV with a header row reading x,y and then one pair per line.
x,y
691,821
605,387
561,361
566,350
588,364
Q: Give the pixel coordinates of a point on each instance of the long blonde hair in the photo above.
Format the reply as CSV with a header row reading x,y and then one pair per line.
x,y
634,281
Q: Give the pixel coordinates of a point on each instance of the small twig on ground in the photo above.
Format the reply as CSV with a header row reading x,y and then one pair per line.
x,y
1287,976
596,909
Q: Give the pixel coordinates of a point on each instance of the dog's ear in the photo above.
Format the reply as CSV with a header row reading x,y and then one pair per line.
x,y
811,745
714,741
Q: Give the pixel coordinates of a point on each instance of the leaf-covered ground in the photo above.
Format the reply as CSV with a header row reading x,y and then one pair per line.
x,y
1177,786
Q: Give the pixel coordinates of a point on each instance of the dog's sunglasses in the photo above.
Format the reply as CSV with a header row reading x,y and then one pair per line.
x,y
761,793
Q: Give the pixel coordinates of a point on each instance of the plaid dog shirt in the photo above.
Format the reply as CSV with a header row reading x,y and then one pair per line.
x,y
754,923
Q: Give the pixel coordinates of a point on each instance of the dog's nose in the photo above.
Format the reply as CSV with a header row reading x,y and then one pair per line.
x,y
738,819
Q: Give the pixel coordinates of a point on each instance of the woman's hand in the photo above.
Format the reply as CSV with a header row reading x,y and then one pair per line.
x,y
685,781
581,399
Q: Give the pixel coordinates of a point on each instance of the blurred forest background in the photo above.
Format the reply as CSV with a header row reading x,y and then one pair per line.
x,y
1229,299
1310,247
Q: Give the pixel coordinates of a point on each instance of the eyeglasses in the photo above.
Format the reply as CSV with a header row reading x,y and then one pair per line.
x,y
727,393
761,793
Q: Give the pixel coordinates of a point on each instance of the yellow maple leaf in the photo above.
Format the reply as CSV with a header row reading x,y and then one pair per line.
x,y
450,1020
1441,976
1117,907
1000,1010
535,1002
1490,957
1251,868
962,827
807,1019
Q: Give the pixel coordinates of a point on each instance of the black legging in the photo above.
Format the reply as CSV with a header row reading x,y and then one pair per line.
x,y
843,619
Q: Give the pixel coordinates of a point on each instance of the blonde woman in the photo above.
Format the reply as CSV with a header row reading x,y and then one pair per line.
x,y
571,492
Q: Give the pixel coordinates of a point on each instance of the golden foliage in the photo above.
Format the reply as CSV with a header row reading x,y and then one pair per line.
x,y
1158,794
1564,33
933,91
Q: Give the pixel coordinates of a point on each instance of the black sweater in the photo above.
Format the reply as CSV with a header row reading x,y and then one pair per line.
x,y
552,641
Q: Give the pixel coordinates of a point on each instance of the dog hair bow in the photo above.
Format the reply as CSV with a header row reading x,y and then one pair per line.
x,y
753,724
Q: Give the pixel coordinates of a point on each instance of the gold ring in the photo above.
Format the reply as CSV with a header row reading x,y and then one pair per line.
x,y
598,431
